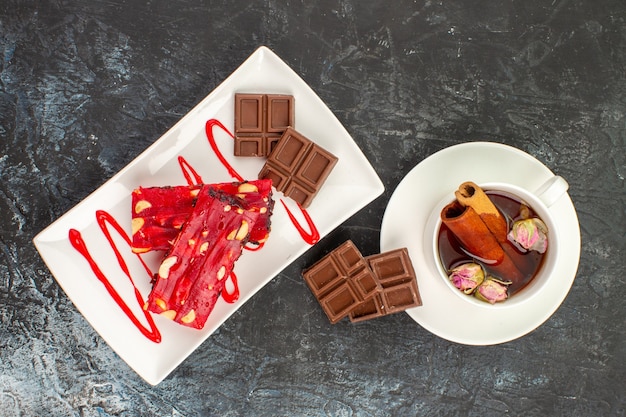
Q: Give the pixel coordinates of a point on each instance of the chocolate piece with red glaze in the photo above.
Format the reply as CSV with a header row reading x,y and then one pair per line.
x,y
298,167
260,120
158,213
193,273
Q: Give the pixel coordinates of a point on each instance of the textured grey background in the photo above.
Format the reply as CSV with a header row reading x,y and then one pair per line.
x,y
87,85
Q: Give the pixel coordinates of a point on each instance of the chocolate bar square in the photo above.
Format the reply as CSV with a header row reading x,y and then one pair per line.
x,y
338,303
260,120
249,113
367,310
392,267
400,296
298,167
249,145
324,276
280,113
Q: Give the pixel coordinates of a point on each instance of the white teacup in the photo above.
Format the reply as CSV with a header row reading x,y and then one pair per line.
x,y
540,202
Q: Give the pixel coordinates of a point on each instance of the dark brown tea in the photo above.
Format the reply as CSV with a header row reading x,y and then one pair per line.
x,y
451,254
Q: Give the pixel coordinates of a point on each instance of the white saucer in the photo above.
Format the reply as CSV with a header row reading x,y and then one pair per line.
x,y
443,313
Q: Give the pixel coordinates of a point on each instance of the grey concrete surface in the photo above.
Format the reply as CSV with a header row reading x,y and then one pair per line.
x,y
85,86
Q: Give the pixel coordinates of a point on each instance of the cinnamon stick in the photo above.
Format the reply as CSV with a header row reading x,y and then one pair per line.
x,y
478,240
471,195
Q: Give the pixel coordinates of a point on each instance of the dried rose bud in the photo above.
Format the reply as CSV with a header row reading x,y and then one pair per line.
x,y
531,234
492,290
467,277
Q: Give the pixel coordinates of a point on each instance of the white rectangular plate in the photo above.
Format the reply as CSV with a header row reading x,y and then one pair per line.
x,y
352,184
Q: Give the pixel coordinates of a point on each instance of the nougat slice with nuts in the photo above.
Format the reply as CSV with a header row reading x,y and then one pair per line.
x,y
158,213
193,273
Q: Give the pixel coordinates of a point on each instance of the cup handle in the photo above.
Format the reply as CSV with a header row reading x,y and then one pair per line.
x,y
551,190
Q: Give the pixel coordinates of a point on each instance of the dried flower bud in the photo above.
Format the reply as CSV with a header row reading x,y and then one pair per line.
x,y
531,234
492,290
467,277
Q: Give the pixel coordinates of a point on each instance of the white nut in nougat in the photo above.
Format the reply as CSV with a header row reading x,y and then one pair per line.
x,y
240,233
246,187
164,269
142,205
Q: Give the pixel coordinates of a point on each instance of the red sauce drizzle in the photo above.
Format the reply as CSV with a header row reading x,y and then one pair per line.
x,y
209,134
193,178
79,244
311,237
231,297
188,172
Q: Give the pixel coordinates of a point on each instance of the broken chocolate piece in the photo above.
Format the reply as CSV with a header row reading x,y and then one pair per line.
x,y
341,280
260,121
298,167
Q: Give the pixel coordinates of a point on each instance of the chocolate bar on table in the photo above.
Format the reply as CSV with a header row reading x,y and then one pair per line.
x,y
346,284
260,121
341,280
158,213
298,167
193,273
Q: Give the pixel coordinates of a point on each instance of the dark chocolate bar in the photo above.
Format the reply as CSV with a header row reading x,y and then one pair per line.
x,y
298,167
341,280
346,284
260,121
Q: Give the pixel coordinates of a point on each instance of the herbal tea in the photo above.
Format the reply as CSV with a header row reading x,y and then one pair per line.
x,y
466,244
